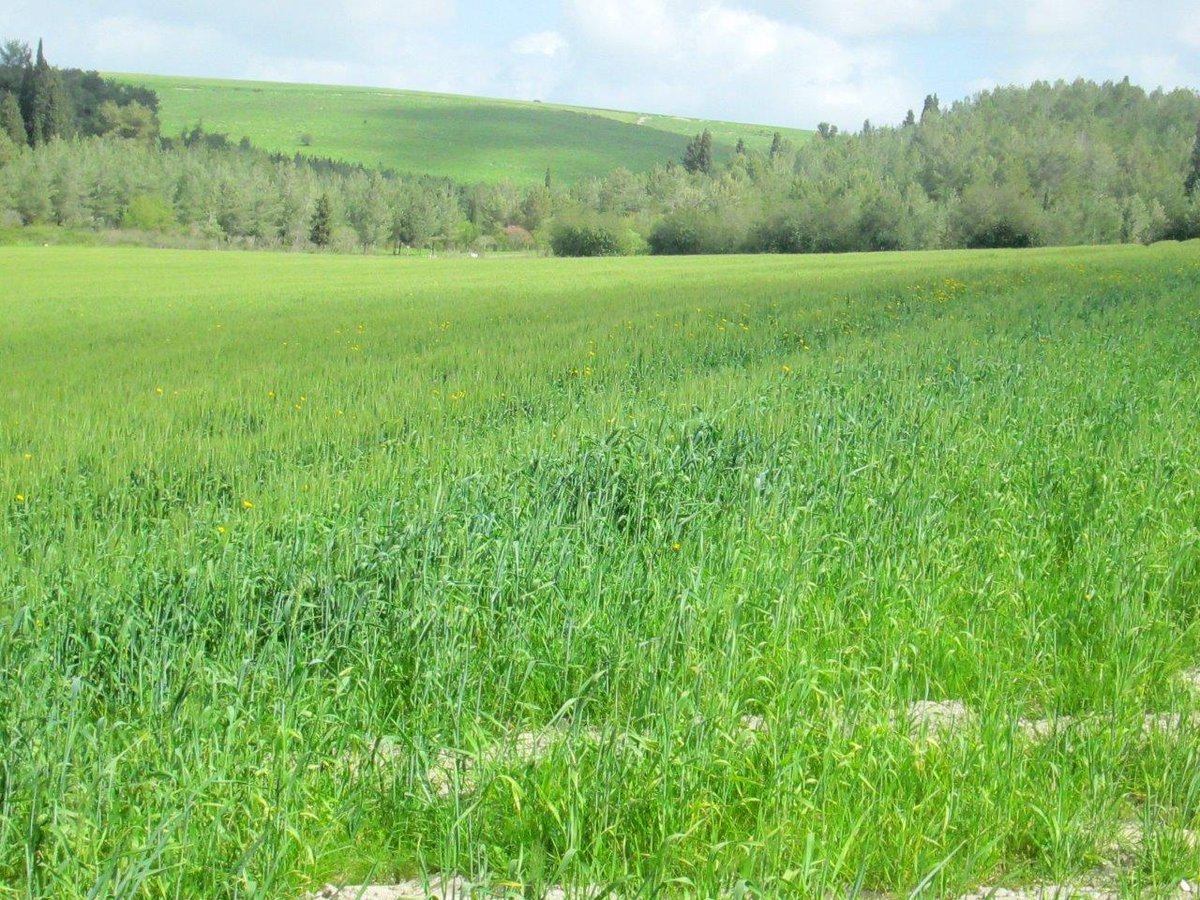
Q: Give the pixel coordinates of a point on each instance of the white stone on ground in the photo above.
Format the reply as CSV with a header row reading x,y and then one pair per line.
x,y
939,718
438,888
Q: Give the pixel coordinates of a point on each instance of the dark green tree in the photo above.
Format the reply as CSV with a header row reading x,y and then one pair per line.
x,y
910,119
776,145
15,58
11,121
131,122
740,149
931,108
549,182
321,230
1193,177
44,103
698,157
826,131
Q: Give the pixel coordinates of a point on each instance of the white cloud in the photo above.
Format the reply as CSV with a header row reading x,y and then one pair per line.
x,y
541,43
117,37
879,17
1189,31
700,56
1078,18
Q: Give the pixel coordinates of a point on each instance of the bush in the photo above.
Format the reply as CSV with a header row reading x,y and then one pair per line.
x,y
148,212
584,240
1000,217
1184,225
785,233
829,227
693,232
514,237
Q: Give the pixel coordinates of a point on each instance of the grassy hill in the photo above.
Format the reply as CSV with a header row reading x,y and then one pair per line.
x,y
466,138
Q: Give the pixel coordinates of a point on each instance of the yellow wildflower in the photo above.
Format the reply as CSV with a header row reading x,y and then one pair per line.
x,y
246,504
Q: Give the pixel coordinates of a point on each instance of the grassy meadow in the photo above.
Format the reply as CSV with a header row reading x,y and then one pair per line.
x,y
470,139
300,555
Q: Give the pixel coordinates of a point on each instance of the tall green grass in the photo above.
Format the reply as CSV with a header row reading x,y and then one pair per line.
x,y
278,532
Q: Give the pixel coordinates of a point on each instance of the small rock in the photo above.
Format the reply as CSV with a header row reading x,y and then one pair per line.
x,y
1169,723
937,718
1190,679
754,724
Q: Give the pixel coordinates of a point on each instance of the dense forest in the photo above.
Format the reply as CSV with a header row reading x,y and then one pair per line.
x,y
1062,163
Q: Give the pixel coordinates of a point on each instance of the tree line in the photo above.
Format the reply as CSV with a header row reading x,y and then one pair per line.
x,y
1061,163
40,102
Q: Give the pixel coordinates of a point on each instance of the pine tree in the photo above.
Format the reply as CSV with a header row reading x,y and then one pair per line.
x,y
44,103
740,149
321,231
15,58
931,108
698,157
910,119
1193,177
549,181
776,145
11,121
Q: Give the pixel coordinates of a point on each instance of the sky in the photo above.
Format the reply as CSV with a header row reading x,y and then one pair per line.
x,y
763,61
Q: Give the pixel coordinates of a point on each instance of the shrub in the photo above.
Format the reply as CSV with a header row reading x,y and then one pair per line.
x,y
784,233
692,232
998,217
148,212
517,238
584,240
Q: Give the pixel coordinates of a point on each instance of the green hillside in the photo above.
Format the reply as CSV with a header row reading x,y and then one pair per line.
x,y
466,138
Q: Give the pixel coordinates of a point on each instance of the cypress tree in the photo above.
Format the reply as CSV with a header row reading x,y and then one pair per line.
x,y
44,102
698,157
706,152
11,121
776,145
1193,177
910,119
321,230
740,149
931,108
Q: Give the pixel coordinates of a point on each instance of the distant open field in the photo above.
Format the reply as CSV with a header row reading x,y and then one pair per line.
x,y
765,577
467,138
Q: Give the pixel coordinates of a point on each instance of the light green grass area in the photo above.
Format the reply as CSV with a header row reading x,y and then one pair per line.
x,y
596,572
466,138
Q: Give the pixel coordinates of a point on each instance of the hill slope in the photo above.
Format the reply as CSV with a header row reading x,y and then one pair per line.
x,y
466,138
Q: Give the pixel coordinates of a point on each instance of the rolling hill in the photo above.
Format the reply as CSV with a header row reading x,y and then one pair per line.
x,y
467,138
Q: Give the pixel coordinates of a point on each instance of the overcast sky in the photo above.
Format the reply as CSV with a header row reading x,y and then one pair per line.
x,y
768,61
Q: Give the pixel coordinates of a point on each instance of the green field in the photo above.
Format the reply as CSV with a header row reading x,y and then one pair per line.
x,y
598,572
466,138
